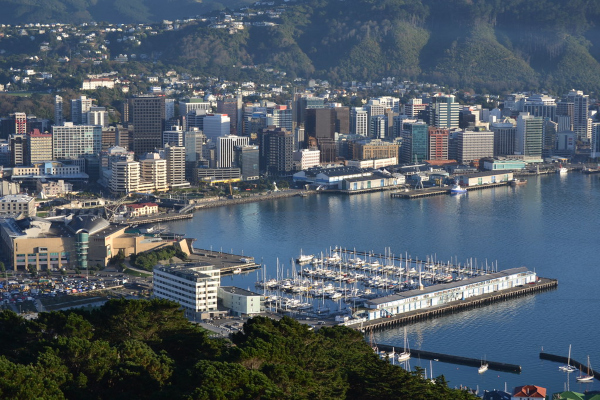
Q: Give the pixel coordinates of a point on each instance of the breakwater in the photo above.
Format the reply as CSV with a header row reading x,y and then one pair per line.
x,y
452,359
456,306
564,360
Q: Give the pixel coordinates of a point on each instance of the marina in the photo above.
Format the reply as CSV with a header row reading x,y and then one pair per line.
x,y
531,225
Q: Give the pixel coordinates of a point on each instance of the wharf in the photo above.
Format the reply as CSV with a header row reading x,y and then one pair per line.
x,y
152,219
448,358
565,360
436,191
229,264
455,306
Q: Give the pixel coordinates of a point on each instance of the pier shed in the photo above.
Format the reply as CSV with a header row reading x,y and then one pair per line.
x,y
448,292
483,178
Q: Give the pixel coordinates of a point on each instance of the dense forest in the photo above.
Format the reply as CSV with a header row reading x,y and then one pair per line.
x,y
148,350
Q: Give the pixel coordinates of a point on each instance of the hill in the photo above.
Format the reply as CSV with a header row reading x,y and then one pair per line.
x,y
487,45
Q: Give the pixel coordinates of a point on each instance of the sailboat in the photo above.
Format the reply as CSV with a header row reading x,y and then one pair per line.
x,y
568,367
405,355
586,377
484,366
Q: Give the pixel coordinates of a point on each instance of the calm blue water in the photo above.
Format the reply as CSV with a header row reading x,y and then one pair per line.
x,y
550,225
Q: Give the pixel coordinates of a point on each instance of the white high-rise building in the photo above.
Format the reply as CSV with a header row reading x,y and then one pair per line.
x,y
473,146
225,149
73,141
216,125
59,117
175,156
153,170
125,177
359,121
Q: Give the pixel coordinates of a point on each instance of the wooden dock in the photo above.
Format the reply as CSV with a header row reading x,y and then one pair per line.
x,y
448,358
152,219
437,191
564,360
456,306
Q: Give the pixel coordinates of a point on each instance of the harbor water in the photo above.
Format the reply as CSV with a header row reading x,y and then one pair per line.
x,y
549,225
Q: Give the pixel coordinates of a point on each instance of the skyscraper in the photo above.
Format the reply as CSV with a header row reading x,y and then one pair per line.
x,y
320,126
216,125
474,145
40,147
79,110
175,156
581,105
148,116
277,151
414,142
445,112
438,144
225,149
59,118
73,141
504,137
529,136
232,107
359,119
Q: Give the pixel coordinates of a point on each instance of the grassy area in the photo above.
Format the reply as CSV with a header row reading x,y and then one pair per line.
x,y
135,273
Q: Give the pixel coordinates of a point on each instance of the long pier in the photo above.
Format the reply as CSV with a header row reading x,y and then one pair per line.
x,y
565,360
448,358
436,191
152,219
456,306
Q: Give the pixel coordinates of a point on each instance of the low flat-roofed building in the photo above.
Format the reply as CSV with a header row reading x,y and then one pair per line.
x,y
241,301
18,206
447,292
194,285
483,178
496,165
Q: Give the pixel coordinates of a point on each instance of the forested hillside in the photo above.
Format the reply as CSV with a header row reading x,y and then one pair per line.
x,y
148,350
487,45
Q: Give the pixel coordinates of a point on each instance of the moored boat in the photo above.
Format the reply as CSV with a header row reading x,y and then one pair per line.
x,y
518,182
561,170
586,377
457,189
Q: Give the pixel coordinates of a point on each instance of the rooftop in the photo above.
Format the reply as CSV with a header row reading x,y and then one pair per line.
x,y
446,286
240,291
191,271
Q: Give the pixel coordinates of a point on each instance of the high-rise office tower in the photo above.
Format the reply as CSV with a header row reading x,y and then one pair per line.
x,y
379,125
79,110
153,169
414,142
19,147
71,141
581,105
472,146
232,107
225,149
414,107
529,136
359,121
320,126
277,151
438,143
125,177
148,116
40,147
97,116
19,119
59,117
216,125
175,156
504,137
342,120
247,159
595,145
445,112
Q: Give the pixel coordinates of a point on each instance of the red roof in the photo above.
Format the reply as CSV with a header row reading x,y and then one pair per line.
x,y
142,205
530,391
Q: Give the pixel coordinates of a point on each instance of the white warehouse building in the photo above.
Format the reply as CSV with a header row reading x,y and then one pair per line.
x,y
447,292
